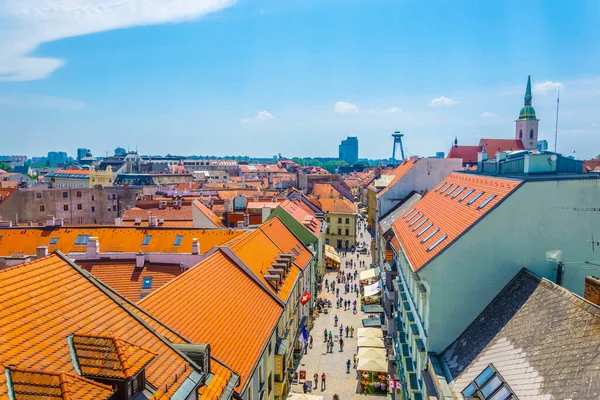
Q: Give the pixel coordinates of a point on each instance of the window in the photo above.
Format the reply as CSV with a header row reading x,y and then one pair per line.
x,y
412,215
38,195
93,209
441,186
347,243
478,195
147,283
339,231
327,240
66,207
80,206
440,240
143,295
114,196
339,244
93,198
146,240
269,349
347,220
453,189
420,224
65,195
425,229
408,220
295,251
339,220
486,202
53,240
108,198
42,208
114,208
489,385
270,383
328,230
531,134
82,240
109,208
178,240
408,213
521,134
459,192
80,221
466,195
446,188
79,193
347,232
436,230
416,220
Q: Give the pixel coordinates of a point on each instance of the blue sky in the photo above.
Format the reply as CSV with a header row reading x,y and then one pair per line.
x,y
261,77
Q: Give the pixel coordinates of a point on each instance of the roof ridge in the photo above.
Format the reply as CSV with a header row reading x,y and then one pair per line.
x,y
57,374
572,297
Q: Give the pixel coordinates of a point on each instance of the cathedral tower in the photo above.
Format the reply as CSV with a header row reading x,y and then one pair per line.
x,y
527,124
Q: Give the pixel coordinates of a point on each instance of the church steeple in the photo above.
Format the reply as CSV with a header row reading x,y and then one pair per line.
x,y
528,92
527,125
527,112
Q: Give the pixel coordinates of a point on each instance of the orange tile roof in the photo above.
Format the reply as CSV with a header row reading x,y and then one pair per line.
x,y
261,204
468,154
446,212
45,301
492,146
325,190
287,242
28,384
170,224
199,304
108,357
112,239
337,206
258,252
398,173
72,171
211,216
300,213
122,276
395,244
169,214
218,382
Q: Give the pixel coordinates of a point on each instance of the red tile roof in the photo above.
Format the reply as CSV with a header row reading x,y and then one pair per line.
x,y
169,214
211,216
301,214
72,171
336,206
468,154
448,214
492,146
398,174
287,242
201,306
591,165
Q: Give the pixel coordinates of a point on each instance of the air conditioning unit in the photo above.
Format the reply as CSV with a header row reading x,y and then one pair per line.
x,y
58,222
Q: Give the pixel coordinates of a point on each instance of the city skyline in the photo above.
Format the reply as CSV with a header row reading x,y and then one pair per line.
x,y
260,78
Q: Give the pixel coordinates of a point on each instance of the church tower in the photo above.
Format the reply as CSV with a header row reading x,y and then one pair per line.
x,y
527,124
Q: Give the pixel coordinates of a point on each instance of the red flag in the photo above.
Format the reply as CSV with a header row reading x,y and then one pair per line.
x,y
305,298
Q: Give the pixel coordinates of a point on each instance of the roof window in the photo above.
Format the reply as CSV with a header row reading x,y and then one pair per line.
x,y
459,192
440,240
425,229
486,202
489,385
178,240
82,240
295,251
414,215
466,195
453,189
478,195
53,240
416,219
446,188
441,186
146,240
147,283
430,235
420,224
407,214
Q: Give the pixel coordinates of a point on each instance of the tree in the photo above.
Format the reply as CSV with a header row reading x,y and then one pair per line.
x,y
331,166
5,166
315,163
298,161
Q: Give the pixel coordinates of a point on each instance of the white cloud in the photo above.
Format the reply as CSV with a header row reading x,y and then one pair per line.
x,y
393,109
342,107
442,101
26,24
261,116
546,87
487,114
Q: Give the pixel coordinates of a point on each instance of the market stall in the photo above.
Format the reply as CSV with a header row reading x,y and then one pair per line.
x,y
370,275
373,309
372,368
372,293
374,322
332,258
369,332
371,342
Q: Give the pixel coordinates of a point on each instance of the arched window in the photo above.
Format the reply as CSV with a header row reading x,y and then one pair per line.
x,y
531,134
521,134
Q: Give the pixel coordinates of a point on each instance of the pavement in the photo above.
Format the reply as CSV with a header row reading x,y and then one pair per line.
x,y
334,364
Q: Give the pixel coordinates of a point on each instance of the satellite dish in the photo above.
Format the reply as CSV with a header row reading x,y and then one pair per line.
x,y
553,157
554,255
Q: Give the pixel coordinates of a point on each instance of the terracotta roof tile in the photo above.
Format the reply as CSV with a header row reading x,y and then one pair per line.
x,y
71,171
492,146
199,304
301,214
468,154
287,242
45,301
336,206
211,216
398,173
170,214
448,215
218,383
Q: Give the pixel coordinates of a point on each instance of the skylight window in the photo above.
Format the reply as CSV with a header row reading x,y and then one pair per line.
x,y
53,240
425,229
466,195
440,240
147,283
452,190
82,240
420,224
415,220
146,240
417,213
295,251
446,188
441,186
178,240
459,192
408,213
486,202
478,195
430,235
488,385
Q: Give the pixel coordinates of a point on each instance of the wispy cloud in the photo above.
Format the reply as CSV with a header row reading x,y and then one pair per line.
x,y
487,114
261,116
442,101
26,24
547,87
40,101
341,107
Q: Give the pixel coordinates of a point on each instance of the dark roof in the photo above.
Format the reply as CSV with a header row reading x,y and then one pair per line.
x,y
542,339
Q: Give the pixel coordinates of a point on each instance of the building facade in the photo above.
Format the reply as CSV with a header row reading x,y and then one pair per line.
x,y
348,150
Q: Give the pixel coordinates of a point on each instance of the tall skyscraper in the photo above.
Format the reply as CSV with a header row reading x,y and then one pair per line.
x,y
348,150
82,152
57,157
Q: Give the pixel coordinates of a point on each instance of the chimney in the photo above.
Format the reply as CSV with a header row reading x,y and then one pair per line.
x,y
227,205
501,156
414,159
591,290
118,222
41,251
482,156
50,220
240,224
140,259
195,246
246,219
152,221
93,247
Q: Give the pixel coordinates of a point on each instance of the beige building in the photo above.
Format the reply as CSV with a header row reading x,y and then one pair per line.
x,y
99,177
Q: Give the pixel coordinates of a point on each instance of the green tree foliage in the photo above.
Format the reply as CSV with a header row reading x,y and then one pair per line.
x,y
298,160
5,166
315,163
331,166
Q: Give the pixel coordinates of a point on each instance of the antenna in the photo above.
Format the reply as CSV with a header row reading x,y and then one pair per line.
x,y
556,127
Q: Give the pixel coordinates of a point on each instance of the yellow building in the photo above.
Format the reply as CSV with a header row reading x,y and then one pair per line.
x,y
341,222
102,178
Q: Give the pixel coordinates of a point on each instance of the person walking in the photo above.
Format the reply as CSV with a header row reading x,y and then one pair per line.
x,y
335,320
316,376
347,331
310,339
325,334
341,329
323,381
331,345
348,366
355,359
341,344
351,331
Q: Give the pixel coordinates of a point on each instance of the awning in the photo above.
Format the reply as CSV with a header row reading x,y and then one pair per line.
x,y
369,273
332,254
372,290
370,342
373,308
298,396
369,332
371,359
372,322
281,346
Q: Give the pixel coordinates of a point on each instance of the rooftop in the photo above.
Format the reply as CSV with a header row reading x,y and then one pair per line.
x,y
336,205
211,216
300,213
398,173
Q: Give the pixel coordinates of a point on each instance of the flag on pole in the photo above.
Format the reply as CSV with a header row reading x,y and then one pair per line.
x,y
303,336
305,298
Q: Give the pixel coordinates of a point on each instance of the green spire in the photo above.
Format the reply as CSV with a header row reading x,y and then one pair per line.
x,y
527,112
528,91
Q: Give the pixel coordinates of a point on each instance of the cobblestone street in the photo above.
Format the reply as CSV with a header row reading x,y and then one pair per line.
x,y
334,364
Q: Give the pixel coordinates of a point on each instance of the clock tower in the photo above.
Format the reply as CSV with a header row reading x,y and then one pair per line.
x,y
527,124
